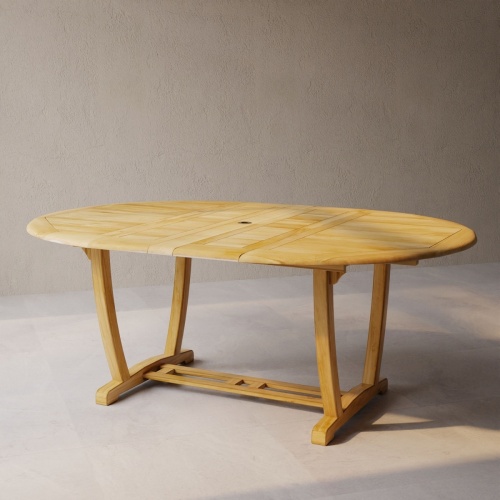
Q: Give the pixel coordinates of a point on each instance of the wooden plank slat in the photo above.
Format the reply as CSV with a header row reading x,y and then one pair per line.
x,y
238,384
287,235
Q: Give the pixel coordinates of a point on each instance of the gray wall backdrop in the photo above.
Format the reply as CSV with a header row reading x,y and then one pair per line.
x,y
390,105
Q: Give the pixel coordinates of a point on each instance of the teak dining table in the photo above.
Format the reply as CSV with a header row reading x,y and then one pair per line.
x,y
325,240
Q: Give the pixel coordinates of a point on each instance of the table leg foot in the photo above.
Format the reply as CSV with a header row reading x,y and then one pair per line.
x,y
352,402
383,385
324,431
110,392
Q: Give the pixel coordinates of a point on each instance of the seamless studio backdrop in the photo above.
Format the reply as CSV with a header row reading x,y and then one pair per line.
x,y
385,105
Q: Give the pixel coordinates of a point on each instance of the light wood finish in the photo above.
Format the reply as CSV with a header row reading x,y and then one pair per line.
x,y
334,276
325,240
239,384
178,310
358,397
339,407
326,355
376,331
105,304
110,392
259,233
124,379
408,263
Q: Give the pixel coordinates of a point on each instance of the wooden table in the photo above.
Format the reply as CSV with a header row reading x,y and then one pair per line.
x,y
325,240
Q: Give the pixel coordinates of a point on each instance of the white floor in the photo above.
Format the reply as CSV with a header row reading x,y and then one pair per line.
x,y
434,435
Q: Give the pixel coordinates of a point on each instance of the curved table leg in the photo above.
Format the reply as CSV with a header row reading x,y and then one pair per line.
x,y
340,407
178,310
326,356
124,379
378,315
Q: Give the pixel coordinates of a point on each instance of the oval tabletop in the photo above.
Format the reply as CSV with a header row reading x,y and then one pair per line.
x,y
287,235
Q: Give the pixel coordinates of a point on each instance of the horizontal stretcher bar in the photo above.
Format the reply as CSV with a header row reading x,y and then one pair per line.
x,y
238,384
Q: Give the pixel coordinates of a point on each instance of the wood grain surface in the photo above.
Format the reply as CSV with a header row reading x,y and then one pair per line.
x,y
260,233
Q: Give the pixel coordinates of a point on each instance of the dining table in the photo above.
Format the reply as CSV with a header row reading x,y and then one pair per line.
x,y
323,240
